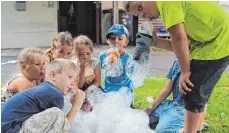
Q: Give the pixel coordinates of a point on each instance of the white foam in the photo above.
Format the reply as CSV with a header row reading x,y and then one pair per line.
x,y
111,114
113,69
141,74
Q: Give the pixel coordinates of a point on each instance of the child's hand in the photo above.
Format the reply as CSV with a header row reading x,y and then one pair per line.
x,y
78,99
89,79
89,74
113,55
83,65
87,106
112,58
148,110
112,51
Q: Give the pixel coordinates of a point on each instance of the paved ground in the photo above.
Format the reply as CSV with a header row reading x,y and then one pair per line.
x,y
160,62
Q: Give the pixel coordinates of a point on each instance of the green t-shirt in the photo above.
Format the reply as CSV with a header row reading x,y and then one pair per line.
x,y
206,25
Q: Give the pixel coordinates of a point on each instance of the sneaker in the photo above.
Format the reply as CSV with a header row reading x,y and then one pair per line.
x,y
205,127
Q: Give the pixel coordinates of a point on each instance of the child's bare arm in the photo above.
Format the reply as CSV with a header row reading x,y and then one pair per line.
x,y
82,74
78,99
163,94
20,84
97,80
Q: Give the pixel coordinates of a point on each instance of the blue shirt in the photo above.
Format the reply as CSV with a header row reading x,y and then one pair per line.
x,y
115,83
174,75
27,103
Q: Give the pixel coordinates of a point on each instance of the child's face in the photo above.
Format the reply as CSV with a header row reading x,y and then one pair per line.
x,y
36,71
119,41
64,80
62,51
84,54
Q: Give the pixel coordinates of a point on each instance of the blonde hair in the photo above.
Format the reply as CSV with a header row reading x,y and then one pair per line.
x,y
82,40
27,55
61,38
59,66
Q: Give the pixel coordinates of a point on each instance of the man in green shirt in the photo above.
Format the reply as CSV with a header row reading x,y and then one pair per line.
x,y
199,34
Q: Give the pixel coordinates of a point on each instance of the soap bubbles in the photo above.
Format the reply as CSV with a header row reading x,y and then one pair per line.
x,y
113,69
111,114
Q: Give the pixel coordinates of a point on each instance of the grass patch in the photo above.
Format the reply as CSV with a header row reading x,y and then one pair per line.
x,y
155,49
218,107
2,84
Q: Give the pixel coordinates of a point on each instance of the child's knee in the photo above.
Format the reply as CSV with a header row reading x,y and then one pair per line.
x,y
55,112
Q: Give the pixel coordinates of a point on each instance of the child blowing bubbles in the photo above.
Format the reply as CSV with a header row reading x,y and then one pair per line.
x,y
32,68
117,37
30,109
90,74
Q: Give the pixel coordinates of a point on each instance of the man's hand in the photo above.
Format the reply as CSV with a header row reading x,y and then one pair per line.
x,y
148,110
78,99
185,83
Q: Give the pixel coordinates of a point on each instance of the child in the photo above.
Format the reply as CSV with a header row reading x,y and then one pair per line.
x,y
90,74
61,47
117,37
32,68
38,109
168,114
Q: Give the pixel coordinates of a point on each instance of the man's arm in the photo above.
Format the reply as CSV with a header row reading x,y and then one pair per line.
x,y
180,47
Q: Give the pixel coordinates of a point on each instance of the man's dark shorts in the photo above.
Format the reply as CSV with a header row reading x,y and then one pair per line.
x,y
204,75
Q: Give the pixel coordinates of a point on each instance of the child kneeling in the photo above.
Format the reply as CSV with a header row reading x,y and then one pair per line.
x,y
39,109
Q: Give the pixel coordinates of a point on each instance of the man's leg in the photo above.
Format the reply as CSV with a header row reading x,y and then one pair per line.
x,y
204,76
193,119
202,118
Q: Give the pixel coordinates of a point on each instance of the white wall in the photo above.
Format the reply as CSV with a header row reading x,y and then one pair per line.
x,y
224,2
33,27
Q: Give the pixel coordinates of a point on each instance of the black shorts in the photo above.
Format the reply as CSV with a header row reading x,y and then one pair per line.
x,y
204,75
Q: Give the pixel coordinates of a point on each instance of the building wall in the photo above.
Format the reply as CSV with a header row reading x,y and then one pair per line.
x,y
107,5
157,23
33,27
